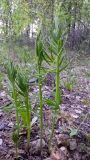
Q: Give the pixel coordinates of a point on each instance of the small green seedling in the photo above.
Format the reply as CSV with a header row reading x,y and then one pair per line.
x,y
85,101
73,132
70,83
69,86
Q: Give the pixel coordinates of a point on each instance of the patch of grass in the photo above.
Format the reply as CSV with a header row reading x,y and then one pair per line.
x,y
70,83
68,86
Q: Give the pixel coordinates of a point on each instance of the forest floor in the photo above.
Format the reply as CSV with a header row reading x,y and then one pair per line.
x,y
71,139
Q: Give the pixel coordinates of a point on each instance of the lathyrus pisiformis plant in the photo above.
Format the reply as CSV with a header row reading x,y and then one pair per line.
x,y
56,48
23,90
41,57
12,74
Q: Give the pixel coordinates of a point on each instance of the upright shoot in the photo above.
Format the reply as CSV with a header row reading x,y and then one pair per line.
x,y
56,47
12,73
41,56
23,89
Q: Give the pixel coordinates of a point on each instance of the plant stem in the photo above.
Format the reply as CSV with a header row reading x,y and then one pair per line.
x,y
16,105
52,131
28,107
41,108
57,95
57,98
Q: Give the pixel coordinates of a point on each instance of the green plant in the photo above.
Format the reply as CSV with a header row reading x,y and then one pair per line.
x,y
41,56
73,132
85,101
23,89
57,53
57,50
12,73
69,85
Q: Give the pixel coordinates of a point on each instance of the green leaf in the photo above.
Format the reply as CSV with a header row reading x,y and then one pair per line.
x,y
61,60
39,50
63,68
73,132
47,58
22,82
8,108
50,102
